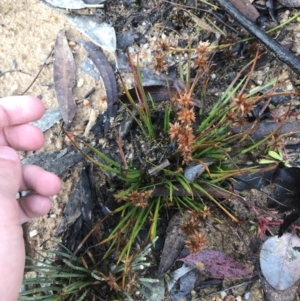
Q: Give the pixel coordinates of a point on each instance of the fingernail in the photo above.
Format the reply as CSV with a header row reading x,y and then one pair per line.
x,y
8,153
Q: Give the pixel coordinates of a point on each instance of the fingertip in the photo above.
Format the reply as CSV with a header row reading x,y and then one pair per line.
x,y
35,104
10,173
24,137
22,109
42,182
33,206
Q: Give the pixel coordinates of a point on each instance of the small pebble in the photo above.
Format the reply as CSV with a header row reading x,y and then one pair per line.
x,y
72,43
33,233
80,82
229,298
238,298
223,294
247,295
86,102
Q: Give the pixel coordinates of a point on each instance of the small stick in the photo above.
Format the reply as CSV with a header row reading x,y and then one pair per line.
x,y
153,171
43,65
88,94
10,71
279,51
121,154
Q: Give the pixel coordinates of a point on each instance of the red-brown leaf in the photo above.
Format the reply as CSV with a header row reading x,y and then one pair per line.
x,y
216,264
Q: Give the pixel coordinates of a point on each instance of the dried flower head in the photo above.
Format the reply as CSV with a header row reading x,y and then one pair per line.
x,y
182,130
229,55
163,45
202,52
185,141
201,61
277,143
160,63
253,48
186,138
137,198
193,222
183,99
111,281
205,212
200,266
195,242
191,226
186,116
243,105
174,130
236,119
202,47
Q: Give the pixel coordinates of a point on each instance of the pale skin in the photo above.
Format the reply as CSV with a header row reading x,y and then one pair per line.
x,y
17,134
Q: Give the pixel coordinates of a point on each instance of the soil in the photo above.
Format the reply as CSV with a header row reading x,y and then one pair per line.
x,y
28,31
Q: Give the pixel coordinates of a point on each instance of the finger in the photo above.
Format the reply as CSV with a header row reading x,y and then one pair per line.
x,y
20,109
22,137
10,175
40,181
33,206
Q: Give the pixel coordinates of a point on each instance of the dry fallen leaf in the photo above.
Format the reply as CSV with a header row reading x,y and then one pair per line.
x,y
217,265
246,8
174,243
109,80
280,261
64,78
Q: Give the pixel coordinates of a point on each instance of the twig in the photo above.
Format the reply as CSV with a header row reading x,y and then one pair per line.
x,y
153,171
44,64
280,52
121,153
10,71
88,94
232,287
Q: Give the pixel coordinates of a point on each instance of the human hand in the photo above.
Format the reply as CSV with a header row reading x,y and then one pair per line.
x,y
17,134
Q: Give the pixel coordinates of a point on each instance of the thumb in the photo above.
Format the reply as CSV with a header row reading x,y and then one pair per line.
x,y
12,253
10,175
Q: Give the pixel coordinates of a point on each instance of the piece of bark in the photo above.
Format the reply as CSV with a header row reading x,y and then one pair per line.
x,y
56,162
290,3
261,130
77,216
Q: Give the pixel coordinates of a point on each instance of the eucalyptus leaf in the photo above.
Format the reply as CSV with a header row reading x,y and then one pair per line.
x,y
280,261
